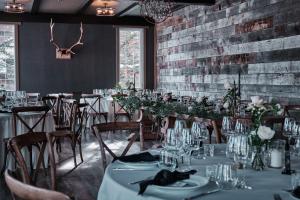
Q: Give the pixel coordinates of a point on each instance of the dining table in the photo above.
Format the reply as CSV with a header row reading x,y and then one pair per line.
x,y
261,185
6,131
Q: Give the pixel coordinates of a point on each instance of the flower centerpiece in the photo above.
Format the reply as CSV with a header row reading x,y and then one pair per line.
x,y
261,135
231,98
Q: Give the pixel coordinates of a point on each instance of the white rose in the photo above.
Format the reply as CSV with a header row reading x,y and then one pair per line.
x,y
257,101
226,105
265,133
227,85
278,106
190,108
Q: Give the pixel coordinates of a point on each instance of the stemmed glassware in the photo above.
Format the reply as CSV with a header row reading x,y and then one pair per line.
x,y
199,133
228,125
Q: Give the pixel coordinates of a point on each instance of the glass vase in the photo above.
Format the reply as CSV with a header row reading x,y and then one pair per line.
x,y
258,159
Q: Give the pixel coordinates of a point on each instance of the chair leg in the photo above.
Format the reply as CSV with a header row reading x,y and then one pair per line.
x,y
30,159
80,149
73,145
5,159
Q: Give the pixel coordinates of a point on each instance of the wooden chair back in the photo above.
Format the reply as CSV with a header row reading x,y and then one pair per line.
x,y
98,129
118,108
75,114
93,101
291,110
18,116
28,140
27,192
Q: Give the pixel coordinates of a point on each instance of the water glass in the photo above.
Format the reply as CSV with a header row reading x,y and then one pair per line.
x,y
179,125
171,139
295,180
227,176
227,125
211,172
168,159
208,150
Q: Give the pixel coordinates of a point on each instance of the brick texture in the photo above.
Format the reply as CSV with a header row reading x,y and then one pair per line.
x,y
202,47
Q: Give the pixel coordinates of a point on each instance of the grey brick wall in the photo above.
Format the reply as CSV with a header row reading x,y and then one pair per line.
x,y
202,47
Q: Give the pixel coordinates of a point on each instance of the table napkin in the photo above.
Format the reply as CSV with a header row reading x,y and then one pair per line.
x,y
165,177
141,157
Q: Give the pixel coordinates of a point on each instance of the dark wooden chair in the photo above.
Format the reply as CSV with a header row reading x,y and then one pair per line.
x,y
27,192
99,129
72,131
94,108
119,110
18,117
52,102
28,140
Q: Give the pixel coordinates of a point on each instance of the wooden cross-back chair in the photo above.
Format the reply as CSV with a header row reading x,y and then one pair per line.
x,y
73,131
28,192
21,118
52,102
94,107
119,110
99,129
28,140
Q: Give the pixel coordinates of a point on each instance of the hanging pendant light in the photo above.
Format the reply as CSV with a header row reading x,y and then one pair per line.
x,y
14,7
105,11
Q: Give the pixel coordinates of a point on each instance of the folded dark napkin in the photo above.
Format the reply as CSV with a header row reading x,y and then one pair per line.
x,y
296,192
165,177
141,157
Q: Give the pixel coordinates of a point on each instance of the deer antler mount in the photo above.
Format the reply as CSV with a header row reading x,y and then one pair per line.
x,y
64,53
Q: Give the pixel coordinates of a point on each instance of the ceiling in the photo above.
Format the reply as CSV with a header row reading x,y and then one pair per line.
x,y
126,11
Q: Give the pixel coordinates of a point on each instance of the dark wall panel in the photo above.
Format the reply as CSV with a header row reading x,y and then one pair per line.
x,y
93,66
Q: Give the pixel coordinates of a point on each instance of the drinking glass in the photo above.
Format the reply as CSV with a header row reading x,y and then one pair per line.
x,y
227,125
211,172
287,127
226,176
208,150
171,138
168,159
241,127
179,125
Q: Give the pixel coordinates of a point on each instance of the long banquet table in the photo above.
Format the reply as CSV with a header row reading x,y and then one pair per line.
x,y
6,131
115,184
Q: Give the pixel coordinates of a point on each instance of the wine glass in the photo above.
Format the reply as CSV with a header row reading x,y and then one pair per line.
x,y
228,125
241,127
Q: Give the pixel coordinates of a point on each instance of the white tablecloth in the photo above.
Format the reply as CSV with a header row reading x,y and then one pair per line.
x,y
264,183
6,131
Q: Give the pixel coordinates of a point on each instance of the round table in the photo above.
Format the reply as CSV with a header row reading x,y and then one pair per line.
x,y
115,184
6,131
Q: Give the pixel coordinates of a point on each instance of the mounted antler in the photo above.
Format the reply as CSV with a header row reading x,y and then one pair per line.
x,y
63,53
69,50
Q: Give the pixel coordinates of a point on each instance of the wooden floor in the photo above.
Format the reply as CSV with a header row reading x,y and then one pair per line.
x,y
83,182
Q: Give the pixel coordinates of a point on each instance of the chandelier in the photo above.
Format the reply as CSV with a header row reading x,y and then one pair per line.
x,y
14,7
105,11
156,11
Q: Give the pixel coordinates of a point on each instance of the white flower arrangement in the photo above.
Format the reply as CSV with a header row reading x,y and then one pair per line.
x,y
265,133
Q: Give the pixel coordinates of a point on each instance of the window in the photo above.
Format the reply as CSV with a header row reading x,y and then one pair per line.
x,y
131,57
8,57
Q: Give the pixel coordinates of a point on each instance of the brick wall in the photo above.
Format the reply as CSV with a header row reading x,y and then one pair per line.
x,y
201,47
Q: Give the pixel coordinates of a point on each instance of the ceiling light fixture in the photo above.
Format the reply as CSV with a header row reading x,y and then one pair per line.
x,y
105,11
156,11
14,7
